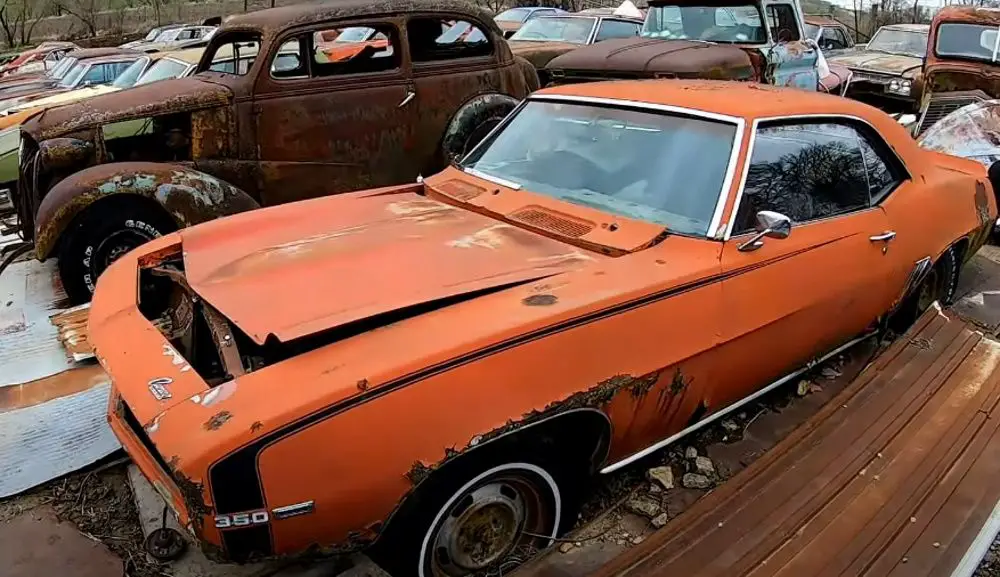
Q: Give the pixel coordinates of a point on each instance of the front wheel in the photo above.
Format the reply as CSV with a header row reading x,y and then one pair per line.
x,y
469,519
102,235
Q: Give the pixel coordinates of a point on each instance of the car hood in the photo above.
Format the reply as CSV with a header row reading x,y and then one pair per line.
x,y
155,99
880,62
656,56
298,269
60,98
539,53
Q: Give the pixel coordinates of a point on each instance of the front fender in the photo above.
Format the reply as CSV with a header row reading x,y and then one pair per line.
x,y
188,196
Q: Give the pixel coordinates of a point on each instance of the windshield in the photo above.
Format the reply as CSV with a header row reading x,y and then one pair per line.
x,y
168,35
812,31
355,34
560,29
74,75
731,24
162,69
895,41
971,41
152,34
63,67
513,15
654,166
128,76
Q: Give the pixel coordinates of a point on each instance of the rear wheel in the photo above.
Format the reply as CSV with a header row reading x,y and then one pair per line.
x,y
101,235
939,285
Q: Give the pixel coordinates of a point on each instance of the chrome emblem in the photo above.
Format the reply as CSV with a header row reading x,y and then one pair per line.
x,y
158,387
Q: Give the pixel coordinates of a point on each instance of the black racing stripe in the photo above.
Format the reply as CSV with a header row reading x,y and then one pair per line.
x,y
235,480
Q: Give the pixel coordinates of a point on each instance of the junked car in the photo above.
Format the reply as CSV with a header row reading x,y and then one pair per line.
x,y
90,72
150,36
263,130
541,39
42,58
512,19
886,73
51,77
176,38
961,66
645,242
831,36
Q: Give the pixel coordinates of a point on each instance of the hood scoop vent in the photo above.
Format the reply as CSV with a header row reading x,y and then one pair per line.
x,y
459,190
552,221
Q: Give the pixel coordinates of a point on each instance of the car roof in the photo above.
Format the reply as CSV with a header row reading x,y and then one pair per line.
x,y
740,99
276,19
189,55
969,14
909,27
131,56
87,53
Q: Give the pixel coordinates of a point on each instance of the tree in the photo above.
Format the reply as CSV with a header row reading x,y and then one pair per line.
x,y
18,19
83,10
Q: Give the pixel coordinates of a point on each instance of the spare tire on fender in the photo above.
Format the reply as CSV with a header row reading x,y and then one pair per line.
x,y
473,121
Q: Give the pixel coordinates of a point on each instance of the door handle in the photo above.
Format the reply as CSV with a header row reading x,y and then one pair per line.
x,y
884,237
410,95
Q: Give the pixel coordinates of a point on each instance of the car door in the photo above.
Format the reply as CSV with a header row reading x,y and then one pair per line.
x,y
789,300
334,116
449,69
792,62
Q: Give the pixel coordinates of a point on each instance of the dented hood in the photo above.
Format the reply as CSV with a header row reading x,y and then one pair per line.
x,y
656,56
297,269
154,99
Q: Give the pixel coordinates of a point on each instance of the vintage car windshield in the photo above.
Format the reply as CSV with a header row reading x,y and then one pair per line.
x,y
74,75
660,167
162,69
969,41
556,29
63,67
169,35
895,41
130,75
513,15
739,24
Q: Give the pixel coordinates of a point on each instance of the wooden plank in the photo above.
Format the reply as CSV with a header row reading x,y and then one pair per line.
x,y
896,476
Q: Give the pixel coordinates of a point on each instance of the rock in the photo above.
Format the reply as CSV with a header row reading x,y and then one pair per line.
x,y
664,476
660,520
638,540
696,481
803,388
643,506
655,488
730,426
829,373
704,466
690,453
566,547
814,388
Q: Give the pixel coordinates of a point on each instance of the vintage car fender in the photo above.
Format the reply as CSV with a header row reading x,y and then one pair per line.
x,y
187,195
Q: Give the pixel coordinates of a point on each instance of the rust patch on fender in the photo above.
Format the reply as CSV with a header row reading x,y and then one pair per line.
x,y
218,420
540,300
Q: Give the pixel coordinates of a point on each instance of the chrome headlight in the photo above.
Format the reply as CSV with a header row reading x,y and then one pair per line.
x,y
899,86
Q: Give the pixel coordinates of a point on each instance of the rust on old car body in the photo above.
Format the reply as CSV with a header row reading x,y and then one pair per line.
x,y
278,134
959,69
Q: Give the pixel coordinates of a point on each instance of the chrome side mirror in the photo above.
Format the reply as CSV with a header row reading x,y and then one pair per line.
x,y
770,224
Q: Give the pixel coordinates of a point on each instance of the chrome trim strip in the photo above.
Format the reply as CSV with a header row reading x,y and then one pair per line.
x,y
723,412
493,179
295,510
835,116
739,121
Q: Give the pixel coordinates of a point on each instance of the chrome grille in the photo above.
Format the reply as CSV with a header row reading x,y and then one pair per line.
x,y
873,77
938,108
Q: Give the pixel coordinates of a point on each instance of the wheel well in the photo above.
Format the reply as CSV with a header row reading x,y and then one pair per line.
x,y
961,246
110,202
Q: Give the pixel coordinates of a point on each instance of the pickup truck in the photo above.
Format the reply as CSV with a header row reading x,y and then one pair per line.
x,y
289,118
754,40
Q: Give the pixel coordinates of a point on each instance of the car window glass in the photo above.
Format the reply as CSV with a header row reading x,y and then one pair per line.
x,y
842,37
162,69
354,50
832,39
288,61
127,77
617,29
881,167
434,39
241,48
805,172
95,75
733,24
781,20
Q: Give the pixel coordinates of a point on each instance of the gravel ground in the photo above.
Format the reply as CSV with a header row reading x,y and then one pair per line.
x,y
990,567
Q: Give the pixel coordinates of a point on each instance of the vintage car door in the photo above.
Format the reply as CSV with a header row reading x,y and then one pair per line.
x,y
791,60
453,61
790,300
334,116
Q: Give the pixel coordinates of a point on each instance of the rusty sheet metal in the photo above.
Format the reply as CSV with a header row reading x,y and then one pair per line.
x,y
158,98
897,64
972,132
540,53
896,476
440,250
72,326
649,57
964,15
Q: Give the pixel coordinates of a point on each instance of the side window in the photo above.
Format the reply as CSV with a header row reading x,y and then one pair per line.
x,y
95,75
881,166
617,29
288,61
234,54
833,39
804,171
111,71
842,37
433,39
781,19
355,50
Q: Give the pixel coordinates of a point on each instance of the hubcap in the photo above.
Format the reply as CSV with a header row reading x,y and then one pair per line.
x,y
486,524
115,246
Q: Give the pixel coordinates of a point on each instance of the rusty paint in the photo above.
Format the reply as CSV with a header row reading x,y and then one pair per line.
x,y
363,385
540,300
217,420
256,426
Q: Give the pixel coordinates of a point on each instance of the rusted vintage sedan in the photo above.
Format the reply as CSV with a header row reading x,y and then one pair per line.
x,y
289,124
886,73
438,367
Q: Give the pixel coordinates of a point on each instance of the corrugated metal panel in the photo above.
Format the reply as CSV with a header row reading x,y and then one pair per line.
x,y
895,476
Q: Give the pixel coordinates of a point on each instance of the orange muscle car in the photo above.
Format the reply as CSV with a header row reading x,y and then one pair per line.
x,y
434,369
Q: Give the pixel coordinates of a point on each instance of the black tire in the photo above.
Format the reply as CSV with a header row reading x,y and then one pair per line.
x,y
939,285
454,501
101,235
473,122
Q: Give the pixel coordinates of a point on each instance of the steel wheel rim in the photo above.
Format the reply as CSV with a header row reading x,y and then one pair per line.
x,y
115,246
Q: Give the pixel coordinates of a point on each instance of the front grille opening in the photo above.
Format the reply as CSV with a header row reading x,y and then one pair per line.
x,y
140,433
941,107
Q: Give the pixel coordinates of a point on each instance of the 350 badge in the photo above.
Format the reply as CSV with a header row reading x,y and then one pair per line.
x,y
241,519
